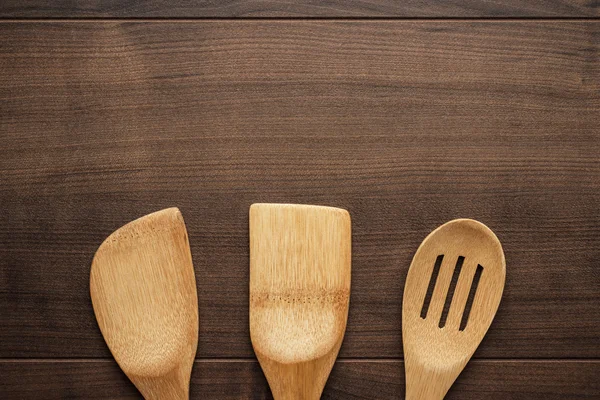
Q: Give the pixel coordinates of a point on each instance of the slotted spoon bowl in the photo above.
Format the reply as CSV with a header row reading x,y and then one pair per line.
x,y
452,291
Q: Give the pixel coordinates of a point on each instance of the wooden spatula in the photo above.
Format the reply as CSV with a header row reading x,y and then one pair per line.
x,y
144,296
452,292
299,294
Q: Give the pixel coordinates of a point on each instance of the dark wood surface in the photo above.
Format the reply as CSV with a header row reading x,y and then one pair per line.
x,y
297,9
407,124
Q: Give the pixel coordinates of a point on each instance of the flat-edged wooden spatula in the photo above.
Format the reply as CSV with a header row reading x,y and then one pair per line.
x,y
144,296
299,294
453,289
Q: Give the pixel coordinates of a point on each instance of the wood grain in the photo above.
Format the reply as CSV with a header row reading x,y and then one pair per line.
x,y
243,379
297,8
300,270
406,124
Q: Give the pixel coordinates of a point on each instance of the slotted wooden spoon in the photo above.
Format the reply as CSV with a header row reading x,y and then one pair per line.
x,y
299,294
441,329
143,291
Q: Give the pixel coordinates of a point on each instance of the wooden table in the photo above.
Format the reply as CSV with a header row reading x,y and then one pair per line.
x,y
408,114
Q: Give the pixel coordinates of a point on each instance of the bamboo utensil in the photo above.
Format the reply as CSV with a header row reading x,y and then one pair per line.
x,y
144,296
299,294
452,292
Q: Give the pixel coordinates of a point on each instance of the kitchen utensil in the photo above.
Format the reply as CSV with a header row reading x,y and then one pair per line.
x,y
299,294
144,296
452,292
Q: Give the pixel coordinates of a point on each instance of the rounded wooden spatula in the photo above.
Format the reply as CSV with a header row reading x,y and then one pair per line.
x,y
299,294
143,291
452,292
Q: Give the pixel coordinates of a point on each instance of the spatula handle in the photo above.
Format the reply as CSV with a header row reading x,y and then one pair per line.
x,y
173,386
426,384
